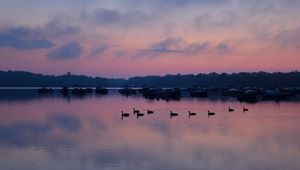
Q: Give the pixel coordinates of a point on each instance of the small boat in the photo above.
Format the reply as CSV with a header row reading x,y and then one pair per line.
x,y
45,90
127,91
100,90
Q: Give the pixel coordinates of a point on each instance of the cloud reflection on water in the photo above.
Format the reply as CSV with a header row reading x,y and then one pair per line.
x,y
89,134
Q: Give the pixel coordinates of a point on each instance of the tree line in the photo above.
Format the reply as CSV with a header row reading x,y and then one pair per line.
x,y
242,79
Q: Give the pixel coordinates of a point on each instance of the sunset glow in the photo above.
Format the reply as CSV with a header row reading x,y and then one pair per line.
x,y
139,37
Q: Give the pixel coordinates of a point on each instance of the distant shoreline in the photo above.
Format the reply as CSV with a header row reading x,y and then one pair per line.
x,y
57,88
20,79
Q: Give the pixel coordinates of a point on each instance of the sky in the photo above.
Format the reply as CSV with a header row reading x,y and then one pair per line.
x,y
124,38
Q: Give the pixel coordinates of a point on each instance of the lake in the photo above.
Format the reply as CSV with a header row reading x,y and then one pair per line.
x,y
69,133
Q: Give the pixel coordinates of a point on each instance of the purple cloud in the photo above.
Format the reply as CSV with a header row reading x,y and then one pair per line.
x,y
66,52
169,45
23,38
100,50
222,48
103,16
288,38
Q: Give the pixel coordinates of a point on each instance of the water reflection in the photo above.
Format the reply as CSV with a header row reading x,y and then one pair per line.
x,y
25,95
54,133
37,134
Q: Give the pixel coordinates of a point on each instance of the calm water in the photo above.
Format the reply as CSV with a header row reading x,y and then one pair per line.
x,y
87,133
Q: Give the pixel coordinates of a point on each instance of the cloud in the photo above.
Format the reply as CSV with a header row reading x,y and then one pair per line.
x,y
269,6
220,20
179,46
58,27
169,45
23,38
66,52
100,50
108,17
288,38
39,37
195,48
170,4
192,2
222,48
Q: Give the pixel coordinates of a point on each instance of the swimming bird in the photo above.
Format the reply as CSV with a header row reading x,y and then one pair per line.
x,y
192,114
139,115
150,112
124,115
209,113
172,114
245,109
230,110
135,111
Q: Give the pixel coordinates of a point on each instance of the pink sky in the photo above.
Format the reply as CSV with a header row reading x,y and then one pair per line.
x,y
119,39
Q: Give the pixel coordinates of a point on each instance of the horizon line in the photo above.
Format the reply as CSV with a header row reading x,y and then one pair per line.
x,y
194,74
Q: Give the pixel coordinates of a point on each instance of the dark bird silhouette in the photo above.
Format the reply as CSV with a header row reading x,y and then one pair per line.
x,y
192,114
209,113
139,115
124,115
135,111
245,109
150,112
172,114
230,110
